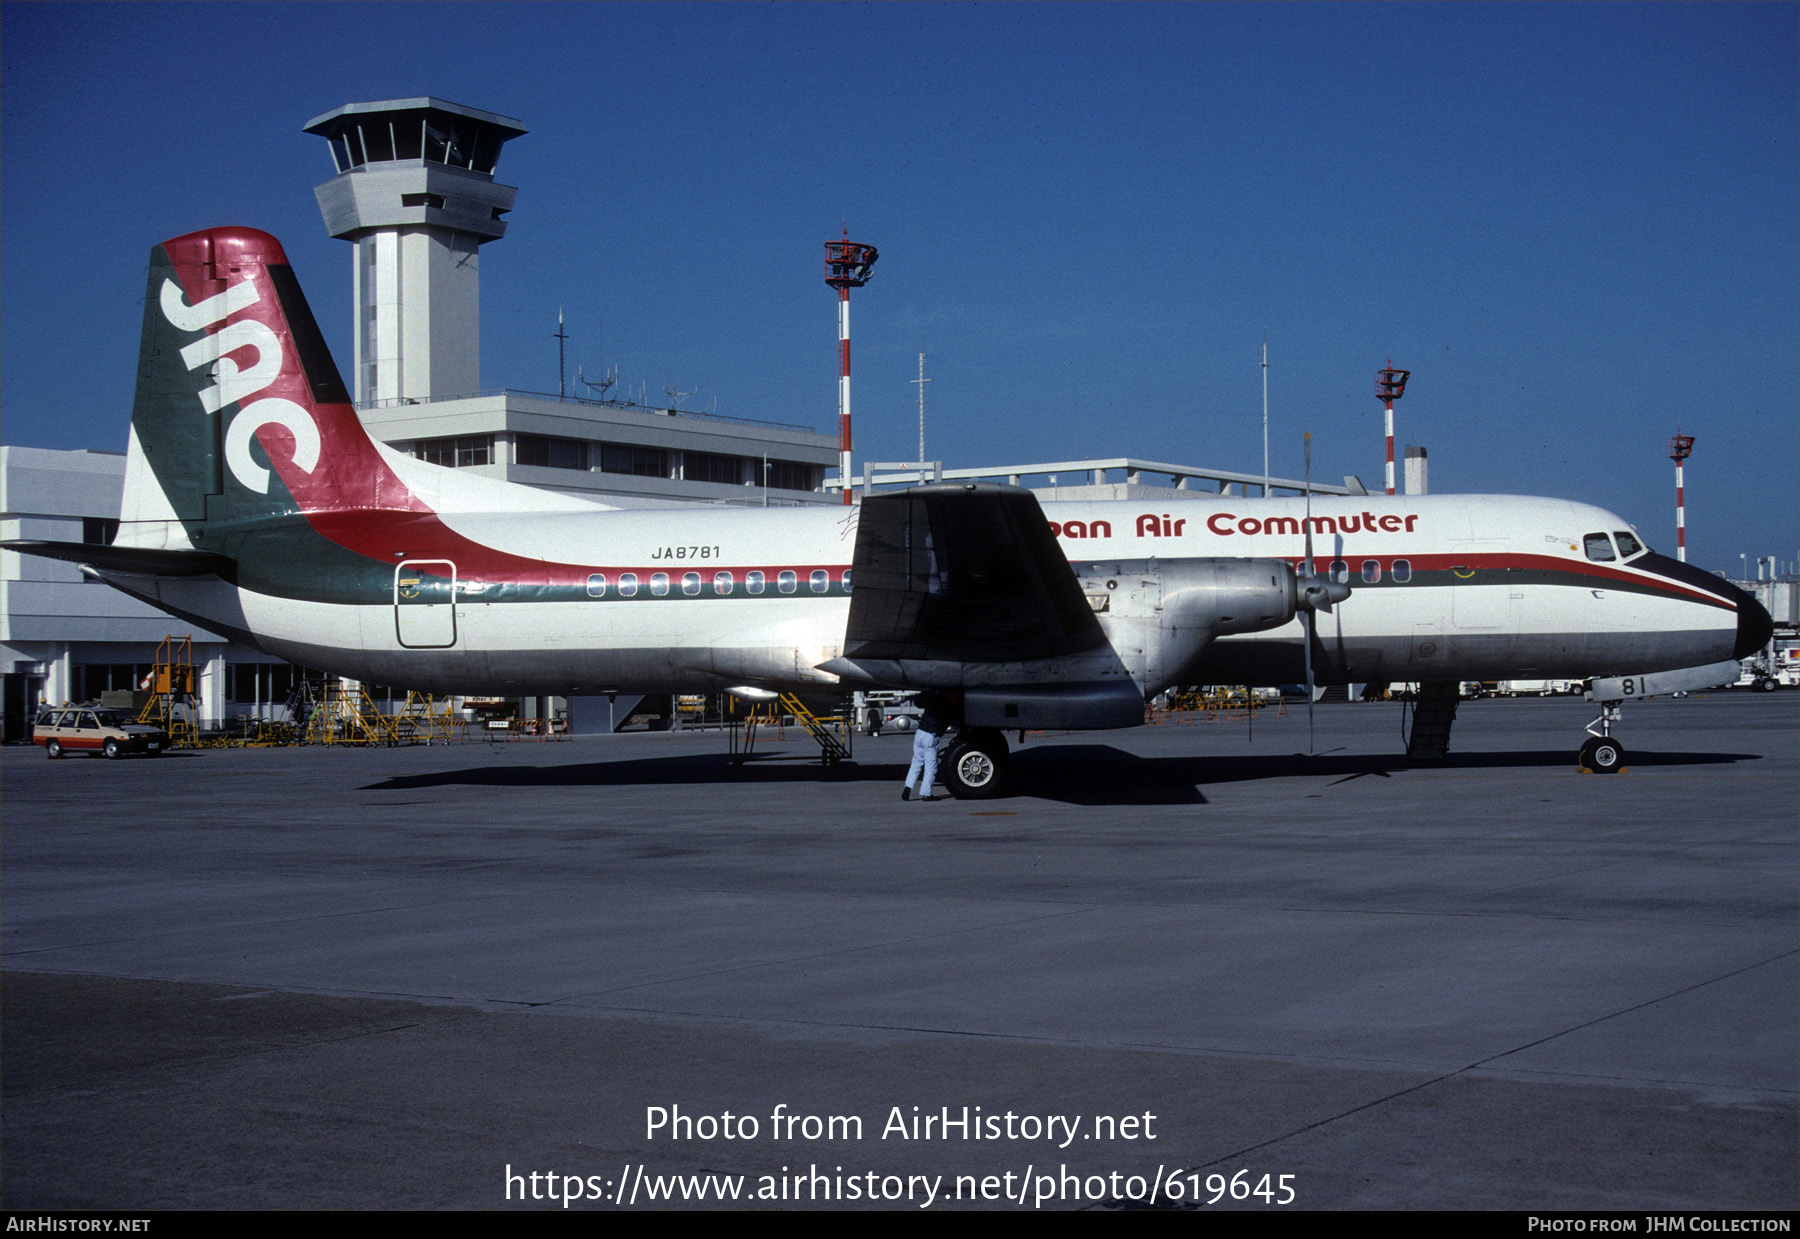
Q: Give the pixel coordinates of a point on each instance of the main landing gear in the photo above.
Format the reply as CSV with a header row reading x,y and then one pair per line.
x,y
977,766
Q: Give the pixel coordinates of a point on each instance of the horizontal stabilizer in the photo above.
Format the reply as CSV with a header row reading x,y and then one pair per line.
x,y
144,561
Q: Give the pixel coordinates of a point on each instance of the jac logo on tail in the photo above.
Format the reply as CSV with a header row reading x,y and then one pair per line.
x,y
233,383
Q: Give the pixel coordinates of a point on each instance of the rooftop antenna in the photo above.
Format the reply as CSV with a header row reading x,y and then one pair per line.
x,y
602,387
562,340
921,381
676,395
847,265
1265,370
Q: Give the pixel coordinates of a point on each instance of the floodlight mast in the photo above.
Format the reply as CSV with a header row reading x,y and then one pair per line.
x,y
1680,448
1390,385
847,265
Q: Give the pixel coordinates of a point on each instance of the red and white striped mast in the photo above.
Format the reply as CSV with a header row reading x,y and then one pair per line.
x,y
1390,385
1679,449
847,266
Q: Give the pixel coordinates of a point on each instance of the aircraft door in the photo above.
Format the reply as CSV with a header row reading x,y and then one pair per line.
x,y
425,604
1481,597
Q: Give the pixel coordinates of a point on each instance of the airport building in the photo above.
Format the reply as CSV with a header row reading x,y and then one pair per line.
x,y
415,194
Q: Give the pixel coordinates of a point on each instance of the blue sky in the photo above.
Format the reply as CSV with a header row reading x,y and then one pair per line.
x,y
1576,224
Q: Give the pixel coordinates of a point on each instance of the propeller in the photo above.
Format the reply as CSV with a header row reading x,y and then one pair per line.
x,y
1308,586
1316,594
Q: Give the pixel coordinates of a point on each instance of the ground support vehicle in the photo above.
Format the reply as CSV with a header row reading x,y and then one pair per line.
x,y
91,729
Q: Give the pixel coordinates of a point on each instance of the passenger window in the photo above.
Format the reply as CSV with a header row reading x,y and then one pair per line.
x,y
1628,545
659,583
690,583
1340,571
1599,548
753,582
597,585
628,585
721,583
89,723
1402,571
787,581
846,580
820,580
1371,571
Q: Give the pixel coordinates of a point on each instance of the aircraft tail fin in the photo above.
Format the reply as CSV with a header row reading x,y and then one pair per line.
x,y
240,412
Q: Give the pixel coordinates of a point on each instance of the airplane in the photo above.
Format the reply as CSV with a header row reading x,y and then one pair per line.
x,y
258,506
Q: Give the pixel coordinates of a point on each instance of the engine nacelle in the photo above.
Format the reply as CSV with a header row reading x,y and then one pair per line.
x,y
1160,615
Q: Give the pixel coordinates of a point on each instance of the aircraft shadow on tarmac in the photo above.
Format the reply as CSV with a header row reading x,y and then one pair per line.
x,y
1082,774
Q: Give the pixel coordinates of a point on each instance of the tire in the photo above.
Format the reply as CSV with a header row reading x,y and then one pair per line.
x,y
112,749
1766,686
53,748
977,768
1602,756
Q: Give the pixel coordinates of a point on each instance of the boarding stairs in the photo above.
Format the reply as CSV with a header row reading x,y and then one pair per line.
x,y
1435,710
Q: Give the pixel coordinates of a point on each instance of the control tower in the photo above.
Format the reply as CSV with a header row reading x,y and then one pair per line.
x,y
415,192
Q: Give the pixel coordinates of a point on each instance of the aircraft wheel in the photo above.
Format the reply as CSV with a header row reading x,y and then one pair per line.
x,y
53,749
1602,756
978,768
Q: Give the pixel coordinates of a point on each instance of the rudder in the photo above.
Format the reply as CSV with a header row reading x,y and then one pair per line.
x,y
237,395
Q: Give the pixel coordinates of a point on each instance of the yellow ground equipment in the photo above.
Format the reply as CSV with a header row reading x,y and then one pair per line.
x,y
172,704
832,732
344,714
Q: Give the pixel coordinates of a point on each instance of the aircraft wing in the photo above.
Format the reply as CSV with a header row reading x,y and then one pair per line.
x,y
963,586
963,573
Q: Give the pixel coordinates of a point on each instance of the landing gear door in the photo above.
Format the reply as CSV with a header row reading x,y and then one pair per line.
x,y
425,604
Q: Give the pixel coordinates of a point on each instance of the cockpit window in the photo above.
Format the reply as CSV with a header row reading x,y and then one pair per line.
x,y
1599,548
1628,545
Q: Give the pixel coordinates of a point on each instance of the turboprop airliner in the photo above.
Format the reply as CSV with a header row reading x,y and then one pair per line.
x,y
258,506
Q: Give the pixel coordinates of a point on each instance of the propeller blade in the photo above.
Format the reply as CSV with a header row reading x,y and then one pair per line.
x,y
1311,589
1307,524
1311,744
1316,594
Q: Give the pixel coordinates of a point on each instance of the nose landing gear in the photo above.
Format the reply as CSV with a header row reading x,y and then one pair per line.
x,y
1600,753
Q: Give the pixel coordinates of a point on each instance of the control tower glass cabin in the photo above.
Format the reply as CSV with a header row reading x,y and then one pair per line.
x,y
415,193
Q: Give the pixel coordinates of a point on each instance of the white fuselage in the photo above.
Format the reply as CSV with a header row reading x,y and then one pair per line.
x,y
1442,587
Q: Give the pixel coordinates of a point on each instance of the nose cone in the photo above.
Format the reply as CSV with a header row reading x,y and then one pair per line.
x,y
1754,625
